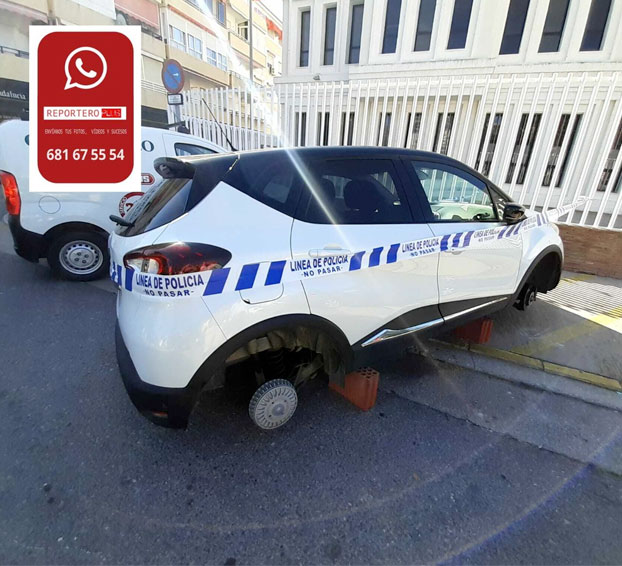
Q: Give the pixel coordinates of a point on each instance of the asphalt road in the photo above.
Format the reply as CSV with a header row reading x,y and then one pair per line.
x,y
450,466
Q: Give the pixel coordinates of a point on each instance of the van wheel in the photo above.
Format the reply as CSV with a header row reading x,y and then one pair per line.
x,y
79,256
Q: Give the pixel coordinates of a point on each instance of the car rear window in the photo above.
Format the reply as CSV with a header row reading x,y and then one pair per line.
x,y
271,178
176,196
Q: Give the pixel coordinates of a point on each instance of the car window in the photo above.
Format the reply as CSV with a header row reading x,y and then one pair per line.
x,y
454,195
271,179
182,149
353,191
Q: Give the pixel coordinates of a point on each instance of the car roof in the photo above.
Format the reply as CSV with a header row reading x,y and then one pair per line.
x,y
351,151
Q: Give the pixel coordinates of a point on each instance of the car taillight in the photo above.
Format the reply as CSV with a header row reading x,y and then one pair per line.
x,y
11,193
177,258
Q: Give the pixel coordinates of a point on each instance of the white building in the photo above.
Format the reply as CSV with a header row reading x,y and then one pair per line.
x,y
361,39
528,92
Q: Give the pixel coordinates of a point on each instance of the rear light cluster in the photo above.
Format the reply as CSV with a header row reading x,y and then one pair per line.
x,y
177,258
11,193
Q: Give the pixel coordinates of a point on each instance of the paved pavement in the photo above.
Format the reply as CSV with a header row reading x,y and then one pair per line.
x,y
451,466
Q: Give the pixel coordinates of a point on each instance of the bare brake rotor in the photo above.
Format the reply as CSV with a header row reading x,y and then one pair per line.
x,y
273,404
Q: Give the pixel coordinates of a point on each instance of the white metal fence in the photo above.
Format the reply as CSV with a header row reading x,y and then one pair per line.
x,y
546,139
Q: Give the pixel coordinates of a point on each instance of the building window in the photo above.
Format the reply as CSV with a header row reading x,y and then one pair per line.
x,y
384,129
178,38
221,13
531,139
460,24
195,46
554,26
571,141
356,28
609,164
595,27
222,62
300,129
416,126
243,30
425,23
322,132
350,129
329,35
489,151
305,28
391,26
444,142
212,57
514,27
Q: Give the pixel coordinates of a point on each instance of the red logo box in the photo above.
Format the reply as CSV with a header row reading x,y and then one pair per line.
x,y
85,108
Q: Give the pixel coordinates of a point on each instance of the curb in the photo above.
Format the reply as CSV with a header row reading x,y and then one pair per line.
x,y
531,372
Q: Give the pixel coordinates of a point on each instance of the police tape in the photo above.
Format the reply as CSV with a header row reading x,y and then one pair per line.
x,y
276,272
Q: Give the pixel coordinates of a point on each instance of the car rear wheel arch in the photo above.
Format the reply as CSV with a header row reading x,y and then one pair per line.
x,y
303,331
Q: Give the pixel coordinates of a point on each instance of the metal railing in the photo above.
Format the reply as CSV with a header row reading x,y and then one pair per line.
x,y
546,139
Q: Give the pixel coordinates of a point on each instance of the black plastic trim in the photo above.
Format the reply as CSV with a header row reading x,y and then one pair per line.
x,y
29,245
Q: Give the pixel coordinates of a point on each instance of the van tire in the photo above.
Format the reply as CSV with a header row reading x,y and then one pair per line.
x,y
69,250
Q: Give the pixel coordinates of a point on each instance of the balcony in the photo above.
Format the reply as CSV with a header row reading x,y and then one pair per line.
x,y
200,67
14,64
242,47
150,44
240,6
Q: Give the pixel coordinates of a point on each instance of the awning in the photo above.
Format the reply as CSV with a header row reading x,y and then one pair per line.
x,y
272,26
142,10
23,11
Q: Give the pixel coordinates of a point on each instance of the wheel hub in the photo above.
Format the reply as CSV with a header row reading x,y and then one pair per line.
x,y
80,257
273,404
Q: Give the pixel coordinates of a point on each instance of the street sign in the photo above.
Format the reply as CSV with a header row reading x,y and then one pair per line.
x,y
173,77
175,99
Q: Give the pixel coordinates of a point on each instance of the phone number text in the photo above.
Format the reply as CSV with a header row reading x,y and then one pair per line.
x,y
85,154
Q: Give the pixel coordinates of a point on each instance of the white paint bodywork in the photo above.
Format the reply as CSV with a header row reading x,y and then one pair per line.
x,y
168,340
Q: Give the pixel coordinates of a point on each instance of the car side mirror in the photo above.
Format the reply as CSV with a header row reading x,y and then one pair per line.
x,y
513,213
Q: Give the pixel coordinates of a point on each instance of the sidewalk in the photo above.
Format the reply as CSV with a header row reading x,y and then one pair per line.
x,y
574,331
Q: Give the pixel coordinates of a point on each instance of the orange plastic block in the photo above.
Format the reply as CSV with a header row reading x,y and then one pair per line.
x,y
477,332
361,388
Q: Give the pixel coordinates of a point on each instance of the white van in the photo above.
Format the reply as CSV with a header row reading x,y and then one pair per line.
x,y
71,229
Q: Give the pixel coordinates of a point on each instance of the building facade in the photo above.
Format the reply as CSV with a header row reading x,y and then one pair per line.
x,y
207,37
528,92
361,39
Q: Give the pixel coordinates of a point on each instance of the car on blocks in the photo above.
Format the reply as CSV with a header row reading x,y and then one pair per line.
x,y
276,266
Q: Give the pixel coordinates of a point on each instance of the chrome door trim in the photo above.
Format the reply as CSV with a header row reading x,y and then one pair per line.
x,y
467,311
389,333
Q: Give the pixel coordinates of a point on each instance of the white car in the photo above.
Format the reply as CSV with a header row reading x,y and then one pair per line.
x,y
71,229
274,266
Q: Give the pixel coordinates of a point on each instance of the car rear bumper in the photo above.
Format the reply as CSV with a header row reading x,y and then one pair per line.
x,y
29,245
165,406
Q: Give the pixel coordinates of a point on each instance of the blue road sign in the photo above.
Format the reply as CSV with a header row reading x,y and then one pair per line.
x,y
172,76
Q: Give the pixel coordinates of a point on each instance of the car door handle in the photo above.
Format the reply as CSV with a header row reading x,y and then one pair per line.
x,y
327,251
454,252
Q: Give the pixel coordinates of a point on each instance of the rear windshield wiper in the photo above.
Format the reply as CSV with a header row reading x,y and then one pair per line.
x,y
120,221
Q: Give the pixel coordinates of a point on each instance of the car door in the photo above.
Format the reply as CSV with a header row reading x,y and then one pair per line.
x,y
358,206
455,201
